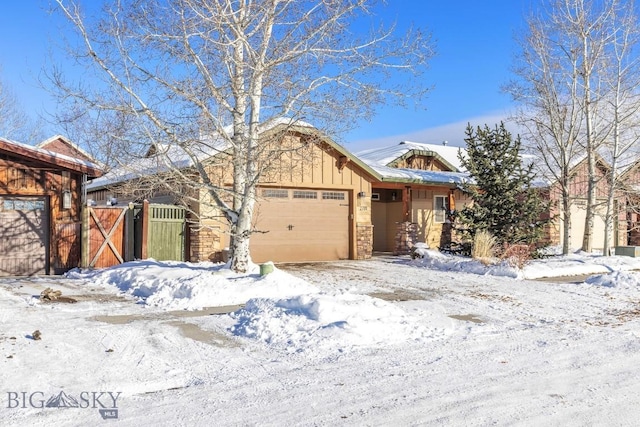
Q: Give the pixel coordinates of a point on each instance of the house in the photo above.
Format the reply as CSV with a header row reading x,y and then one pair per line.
x,y
628,203
313,200
578,189
41,192
417,185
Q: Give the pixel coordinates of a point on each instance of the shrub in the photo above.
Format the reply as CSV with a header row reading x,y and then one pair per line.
x,y
516,254
484,245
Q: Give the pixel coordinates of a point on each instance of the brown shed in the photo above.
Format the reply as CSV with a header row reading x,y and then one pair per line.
x,y
41,193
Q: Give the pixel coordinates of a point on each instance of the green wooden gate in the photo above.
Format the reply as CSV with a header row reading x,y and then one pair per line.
x,y
160,232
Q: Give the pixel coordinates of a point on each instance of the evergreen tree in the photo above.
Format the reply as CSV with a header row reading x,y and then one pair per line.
x,y
504,200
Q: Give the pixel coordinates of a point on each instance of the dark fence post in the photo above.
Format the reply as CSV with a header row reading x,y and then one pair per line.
x,y
129,234
145,228
84,239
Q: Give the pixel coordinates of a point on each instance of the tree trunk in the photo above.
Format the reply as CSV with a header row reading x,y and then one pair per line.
x,y
566,218
587,239
241,261
608,228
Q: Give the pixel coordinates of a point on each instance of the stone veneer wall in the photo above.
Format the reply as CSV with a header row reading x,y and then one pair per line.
x,y
406,236
364,236
204,245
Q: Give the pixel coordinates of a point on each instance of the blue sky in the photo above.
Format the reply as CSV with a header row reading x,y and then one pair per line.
x,y
474,44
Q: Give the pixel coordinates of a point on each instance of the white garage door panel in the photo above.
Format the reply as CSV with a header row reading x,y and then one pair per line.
x,y
578,219
301,229
23,225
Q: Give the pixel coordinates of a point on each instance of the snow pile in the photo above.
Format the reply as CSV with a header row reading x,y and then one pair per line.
x,y
333,322
179,285
281,310
579,263
617,279
293,316
439,261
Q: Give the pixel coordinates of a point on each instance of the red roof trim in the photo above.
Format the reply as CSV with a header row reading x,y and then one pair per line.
x,y
51,159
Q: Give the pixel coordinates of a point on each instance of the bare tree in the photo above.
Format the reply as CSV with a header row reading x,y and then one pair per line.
x,y
620,71
589,22
199,77
14,122
562,92
551,115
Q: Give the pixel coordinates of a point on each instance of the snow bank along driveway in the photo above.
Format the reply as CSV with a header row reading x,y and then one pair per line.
x,y
380,342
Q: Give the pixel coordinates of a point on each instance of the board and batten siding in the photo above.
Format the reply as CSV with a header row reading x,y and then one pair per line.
x,y
29,179
308,165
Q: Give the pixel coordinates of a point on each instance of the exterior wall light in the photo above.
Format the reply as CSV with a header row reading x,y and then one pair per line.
x,y
66,199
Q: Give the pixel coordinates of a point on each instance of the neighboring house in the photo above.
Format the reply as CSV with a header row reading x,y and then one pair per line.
x,y
421,182
40,201
629,203
417,185
578,194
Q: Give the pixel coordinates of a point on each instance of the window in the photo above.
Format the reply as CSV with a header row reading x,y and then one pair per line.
x,y
332,195
276,193
440,208
22,205
305,195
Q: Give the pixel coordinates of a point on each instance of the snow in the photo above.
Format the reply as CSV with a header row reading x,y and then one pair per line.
x,y
440,340
379,158
175,156
435,177
385,155
183,286
53,154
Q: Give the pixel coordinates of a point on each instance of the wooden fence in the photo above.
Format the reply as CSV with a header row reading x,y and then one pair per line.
x,y
160,231
67,238
112,235
104,236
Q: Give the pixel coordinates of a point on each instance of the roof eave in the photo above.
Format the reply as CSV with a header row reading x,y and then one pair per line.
x,y
13,149
419,182
426,153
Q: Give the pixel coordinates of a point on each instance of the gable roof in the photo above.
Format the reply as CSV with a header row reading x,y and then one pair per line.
x,y
384,159
49,157
418,176
163,157
391,155
61,144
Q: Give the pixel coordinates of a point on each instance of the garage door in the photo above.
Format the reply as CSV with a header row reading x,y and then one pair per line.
x,y
301,225
578,219
23,237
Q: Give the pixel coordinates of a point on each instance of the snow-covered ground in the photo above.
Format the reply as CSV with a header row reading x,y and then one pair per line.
x,y
436,341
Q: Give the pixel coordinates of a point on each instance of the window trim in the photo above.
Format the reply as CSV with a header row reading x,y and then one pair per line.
x,y
440,215
275,193
333,195
305,195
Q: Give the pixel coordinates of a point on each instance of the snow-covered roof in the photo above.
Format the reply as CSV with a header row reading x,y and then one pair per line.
x,y
387,155
420,176
382,159
49,156
166,157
